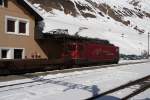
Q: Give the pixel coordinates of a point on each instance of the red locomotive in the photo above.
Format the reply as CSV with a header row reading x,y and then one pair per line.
x,y
90,52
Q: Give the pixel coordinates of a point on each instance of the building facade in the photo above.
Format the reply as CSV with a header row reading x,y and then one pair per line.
x,y
17,31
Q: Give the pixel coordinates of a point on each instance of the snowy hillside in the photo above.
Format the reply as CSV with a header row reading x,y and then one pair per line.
x,y
123,22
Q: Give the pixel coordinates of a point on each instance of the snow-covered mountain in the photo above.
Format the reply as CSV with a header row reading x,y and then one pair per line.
x,y
125,23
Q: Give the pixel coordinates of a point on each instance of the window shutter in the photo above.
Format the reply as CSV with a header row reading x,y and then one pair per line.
x,y
6,3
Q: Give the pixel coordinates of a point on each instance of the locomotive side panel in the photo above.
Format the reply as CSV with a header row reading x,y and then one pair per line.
x,y
79,53
92,52
110,53
99,53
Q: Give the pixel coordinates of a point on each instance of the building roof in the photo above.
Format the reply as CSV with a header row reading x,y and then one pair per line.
x,y
29,8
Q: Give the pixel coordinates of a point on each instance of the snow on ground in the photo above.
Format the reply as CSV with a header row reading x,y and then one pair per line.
x,y
76,85
121,61
144,95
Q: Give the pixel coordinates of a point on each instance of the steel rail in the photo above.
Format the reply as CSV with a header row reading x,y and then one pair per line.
x,y
138,81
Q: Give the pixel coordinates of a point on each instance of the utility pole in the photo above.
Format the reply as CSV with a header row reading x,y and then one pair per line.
x,y
140,43
148,45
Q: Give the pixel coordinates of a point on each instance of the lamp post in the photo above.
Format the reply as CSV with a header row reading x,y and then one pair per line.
x,y
148,45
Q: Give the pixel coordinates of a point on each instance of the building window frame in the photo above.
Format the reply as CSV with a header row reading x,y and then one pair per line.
x,y
2,5
15,25
11,52
17,21
7,54
23,52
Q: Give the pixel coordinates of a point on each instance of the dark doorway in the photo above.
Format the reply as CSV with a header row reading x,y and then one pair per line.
x,y
18,53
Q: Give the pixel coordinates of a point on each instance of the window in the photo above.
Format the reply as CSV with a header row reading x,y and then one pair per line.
x,y
18,53
22,27
4,54
1,2
18,26
12,53
10,25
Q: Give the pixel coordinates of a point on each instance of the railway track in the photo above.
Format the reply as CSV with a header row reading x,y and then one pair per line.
x,y
143,83
41,81
36,74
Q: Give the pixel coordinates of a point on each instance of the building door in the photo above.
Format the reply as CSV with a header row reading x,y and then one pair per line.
x,y
18,53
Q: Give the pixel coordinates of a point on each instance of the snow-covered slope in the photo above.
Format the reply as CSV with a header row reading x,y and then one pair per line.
x,y
123,22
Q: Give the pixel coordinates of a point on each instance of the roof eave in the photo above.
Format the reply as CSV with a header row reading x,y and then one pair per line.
x,y
38,17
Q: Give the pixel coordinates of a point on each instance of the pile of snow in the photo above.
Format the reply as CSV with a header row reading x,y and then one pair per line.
x,y
128,39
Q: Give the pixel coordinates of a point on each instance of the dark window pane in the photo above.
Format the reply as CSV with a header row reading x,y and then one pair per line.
x,y
4,53
18,53
10,26
1,2
22,27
